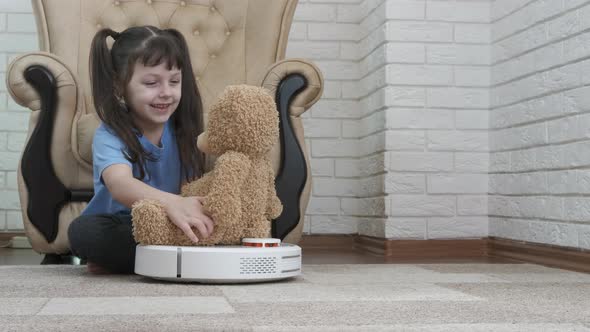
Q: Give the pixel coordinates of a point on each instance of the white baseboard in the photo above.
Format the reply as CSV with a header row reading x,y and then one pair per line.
x,y
20,242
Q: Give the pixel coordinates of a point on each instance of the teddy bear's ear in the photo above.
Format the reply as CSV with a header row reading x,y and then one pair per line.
x,y
203,143
243,119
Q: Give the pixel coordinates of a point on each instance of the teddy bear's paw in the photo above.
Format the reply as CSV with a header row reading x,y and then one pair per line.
x,y
147,204
148,211
233,241
150,223
216,237
198,187
256,232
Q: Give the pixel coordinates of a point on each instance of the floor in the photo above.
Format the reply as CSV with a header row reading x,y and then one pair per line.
x,y
339,290
9,256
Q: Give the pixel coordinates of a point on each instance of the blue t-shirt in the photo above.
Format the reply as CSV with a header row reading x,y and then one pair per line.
x,y
164,173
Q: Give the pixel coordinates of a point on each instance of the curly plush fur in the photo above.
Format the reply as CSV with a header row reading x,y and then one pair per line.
x,y
239,192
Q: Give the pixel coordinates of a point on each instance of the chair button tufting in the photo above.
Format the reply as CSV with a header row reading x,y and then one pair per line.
x,y
196,32
212,8
227,33
182,3
116,3
98,26
197,78
213,56
149,2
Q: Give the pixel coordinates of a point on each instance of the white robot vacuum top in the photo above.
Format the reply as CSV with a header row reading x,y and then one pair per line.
x,y
256,260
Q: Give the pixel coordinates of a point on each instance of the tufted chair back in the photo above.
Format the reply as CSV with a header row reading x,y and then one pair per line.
x,y
230,42
223,51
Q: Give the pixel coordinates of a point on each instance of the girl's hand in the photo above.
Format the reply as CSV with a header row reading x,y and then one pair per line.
x,y
186,213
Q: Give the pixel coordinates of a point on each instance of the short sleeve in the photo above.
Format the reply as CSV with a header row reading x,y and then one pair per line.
x,y
107,150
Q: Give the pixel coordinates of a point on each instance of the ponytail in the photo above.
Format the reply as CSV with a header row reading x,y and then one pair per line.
x,y
102,72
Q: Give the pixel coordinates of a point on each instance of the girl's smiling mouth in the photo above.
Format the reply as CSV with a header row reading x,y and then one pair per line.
x,y
160,106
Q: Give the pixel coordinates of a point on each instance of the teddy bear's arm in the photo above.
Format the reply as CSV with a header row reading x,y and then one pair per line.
x,y
224,199
275,207
199,187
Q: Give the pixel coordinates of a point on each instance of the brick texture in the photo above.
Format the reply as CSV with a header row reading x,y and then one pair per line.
x,y
17,35
539,123
439,119
399,132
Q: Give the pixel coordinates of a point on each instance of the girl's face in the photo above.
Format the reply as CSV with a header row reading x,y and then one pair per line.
x,y
152,95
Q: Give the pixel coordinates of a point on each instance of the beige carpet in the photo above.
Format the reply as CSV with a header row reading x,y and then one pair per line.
x,y
446,297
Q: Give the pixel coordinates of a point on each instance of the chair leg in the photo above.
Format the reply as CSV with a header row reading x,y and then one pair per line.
x,y
66,259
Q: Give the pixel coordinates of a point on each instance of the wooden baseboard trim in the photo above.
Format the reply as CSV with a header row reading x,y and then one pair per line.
x,y
526,252
543,254
6,236
422,249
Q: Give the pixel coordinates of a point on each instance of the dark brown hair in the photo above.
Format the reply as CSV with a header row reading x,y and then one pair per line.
x,y
111,71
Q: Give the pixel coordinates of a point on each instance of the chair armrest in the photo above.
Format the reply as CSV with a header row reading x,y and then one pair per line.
x,y
296,84
50,172
69,106
23,92
313,77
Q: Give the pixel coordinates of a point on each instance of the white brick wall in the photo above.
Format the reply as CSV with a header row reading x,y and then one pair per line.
x,y
333,128
17,35
434,96
436,116
398,142
539,123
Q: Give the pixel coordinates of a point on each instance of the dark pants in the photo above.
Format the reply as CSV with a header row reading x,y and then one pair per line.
x,y
104,239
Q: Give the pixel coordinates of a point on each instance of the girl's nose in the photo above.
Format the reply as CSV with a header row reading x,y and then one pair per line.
x,y
166,91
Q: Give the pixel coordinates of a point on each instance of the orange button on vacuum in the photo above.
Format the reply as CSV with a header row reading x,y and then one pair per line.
x,y
261,242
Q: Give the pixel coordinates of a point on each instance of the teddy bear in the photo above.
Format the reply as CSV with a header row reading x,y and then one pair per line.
x,y
239,192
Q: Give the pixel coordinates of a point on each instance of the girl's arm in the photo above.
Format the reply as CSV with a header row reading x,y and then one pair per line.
x,y
184,212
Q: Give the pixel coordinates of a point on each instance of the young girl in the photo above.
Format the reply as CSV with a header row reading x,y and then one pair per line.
x,y
145,94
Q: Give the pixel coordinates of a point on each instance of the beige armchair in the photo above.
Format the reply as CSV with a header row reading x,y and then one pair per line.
x,y
231,42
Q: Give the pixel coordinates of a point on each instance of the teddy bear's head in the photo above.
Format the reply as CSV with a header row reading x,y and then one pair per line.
x,y
244,119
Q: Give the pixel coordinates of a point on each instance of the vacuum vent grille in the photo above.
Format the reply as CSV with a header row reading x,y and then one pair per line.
x,y
258,265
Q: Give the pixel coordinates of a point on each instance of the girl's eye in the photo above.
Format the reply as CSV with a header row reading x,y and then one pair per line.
x,y
149,83
175,82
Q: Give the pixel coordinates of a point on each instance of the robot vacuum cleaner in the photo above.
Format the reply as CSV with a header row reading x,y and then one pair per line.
x,y
256,260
